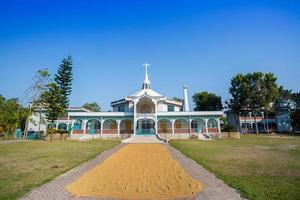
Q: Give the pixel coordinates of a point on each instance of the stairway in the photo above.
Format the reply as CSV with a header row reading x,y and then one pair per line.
x,y
143,139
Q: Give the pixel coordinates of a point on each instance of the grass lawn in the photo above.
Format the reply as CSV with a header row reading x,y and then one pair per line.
x,y
27,165
259,167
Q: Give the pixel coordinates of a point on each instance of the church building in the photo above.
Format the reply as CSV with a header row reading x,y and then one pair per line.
x,y
143,113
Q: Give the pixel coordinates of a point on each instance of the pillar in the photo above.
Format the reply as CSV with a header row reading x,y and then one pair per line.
x,y
206,129
172,122
118,122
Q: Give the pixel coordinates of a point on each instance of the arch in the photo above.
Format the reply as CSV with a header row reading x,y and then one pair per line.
x,y
126,126
212,125
62,126
51,125
164,126
145,105
198,125
145,126
93,126
110,126
272,126
77,124
181,126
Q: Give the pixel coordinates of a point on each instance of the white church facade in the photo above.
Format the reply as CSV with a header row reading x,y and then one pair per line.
x,y
145,112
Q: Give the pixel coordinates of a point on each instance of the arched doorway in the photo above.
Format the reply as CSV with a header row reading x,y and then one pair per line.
x,y
126,126
110,126
93,126
198,125
212,125
145,126
164,126
181,126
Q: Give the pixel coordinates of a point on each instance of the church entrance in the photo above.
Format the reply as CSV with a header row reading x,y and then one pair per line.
x,y
145,127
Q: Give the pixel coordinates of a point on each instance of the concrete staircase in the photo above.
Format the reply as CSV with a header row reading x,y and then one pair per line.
x,y
143,139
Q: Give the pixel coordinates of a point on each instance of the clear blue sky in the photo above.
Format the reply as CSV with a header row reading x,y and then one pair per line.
x,y
198,43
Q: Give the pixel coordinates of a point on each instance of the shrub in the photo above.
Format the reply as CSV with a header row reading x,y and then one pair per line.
x,y
228,128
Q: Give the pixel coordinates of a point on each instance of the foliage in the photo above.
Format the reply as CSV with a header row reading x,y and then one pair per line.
x,y
205,101
9,109
228,128
64,78
252,92
295,114
92,106
51,101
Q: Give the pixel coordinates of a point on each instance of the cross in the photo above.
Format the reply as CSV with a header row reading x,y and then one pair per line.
x,y
146,65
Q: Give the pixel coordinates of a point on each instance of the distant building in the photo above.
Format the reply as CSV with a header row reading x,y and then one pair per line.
x,y
278,121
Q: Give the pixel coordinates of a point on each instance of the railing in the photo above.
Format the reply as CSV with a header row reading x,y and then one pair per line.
x,y
77,131
164,131
109,131
182,130
126,131
145,115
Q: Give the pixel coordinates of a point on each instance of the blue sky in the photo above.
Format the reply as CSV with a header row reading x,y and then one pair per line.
x,y
198,43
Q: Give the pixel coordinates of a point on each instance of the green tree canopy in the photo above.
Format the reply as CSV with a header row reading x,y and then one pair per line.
x,y
51,101
92,106
63,79
252,92
205,101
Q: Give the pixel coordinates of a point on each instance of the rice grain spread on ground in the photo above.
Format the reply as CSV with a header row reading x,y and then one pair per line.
x,y
137,171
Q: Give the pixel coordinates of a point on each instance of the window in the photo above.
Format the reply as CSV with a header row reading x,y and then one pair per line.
x,y
121,108
171,108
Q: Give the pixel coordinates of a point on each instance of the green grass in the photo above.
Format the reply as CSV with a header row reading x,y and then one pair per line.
x,y
27,165
259,167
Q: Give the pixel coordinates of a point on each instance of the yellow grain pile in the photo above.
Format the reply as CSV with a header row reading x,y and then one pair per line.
x,y
137,171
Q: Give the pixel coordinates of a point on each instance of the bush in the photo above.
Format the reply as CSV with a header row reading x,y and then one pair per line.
x,y
228,128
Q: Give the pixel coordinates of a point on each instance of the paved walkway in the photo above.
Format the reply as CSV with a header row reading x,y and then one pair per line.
x,y
214,189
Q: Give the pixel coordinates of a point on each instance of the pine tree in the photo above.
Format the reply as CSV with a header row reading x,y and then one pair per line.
x,y
64,78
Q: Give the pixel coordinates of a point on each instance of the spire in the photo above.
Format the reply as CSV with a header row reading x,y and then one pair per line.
x,y
146,84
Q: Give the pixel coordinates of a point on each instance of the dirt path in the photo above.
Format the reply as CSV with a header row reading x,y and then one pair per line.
x,y
137,171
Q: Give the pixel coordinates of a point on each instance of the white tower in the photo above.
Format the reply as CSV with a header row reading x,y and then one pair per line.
x,y
146,84
186,106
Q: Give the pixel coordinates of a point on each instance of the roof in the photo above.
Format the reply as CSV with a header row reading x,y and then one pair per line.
x,y
149,92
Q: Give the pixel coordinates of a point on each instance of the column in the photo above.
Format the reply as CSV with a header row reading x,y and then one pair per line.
x,y
118,122
134,118
206,129
172,121
84,126
101,125
219,126
190,125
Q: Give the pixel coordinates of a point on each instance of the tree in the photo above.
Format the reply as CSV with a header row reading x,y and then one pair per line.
x,y
9,116
63,79
51,101
33,94
92,106
295,114
238,102
252,92
205,101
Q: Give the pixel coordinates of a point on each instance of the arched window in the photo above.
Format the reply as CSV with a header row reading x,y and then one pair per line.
x,y
164,126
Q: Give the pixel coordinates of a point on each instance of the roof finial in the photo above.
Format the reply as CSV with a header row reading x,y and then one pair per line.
x,y
146,84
